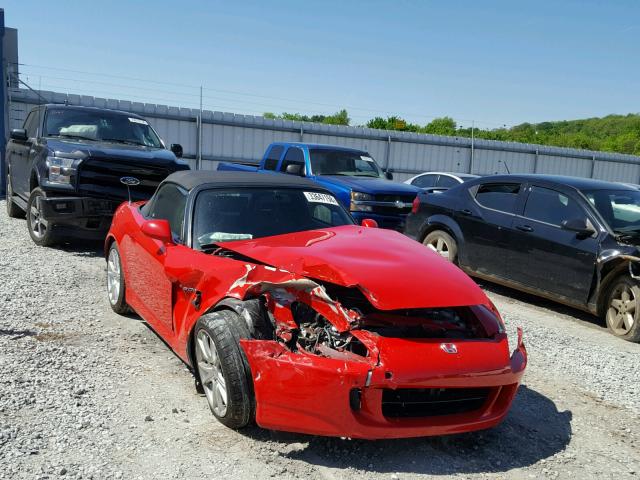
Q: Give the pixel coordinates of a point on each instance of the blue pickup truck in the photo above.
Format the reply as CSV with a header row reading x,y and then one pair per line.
x,y
351,175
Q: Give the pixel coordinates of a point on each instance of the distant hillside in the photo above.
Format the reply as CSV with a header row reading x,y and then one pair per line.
x,y
613,133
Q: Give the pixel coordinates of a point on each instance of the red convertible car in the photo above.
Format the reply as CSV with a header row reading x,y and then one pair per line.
x,y
292,316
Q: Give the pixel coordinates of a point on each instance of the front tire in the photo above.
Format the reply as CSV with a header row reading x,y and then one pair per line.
x,y
116,288
40,230
13,211
623,309
443,244
223,369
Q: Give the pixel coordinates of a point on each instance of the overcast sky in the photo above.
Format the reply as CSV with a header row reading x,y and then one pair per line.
x,y
492,62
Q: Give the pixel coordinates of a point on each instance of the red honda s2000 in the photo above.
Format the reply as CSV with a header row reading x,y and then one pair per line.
x,y
295,318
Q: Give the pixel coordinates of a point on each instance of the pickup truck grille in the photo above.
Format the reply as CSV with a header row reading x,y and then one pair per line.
x,y
101,178
395,204
432,402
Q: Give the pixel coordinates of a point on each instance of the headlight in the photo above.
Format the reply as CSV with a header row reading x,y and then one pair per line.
x,y
62,169
360,197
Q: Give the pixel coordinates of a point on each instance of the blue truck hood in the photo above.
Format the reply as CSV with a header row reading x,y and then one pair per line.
x,y
368,184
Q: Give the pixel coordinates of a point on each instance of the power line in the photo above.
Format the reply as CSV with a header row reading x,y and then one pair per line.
x,y
351,108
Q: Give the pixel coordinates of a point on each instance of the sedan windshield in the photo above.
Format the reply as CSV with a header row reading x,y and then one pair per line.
x,y
102,126
246,213
342,162
619,208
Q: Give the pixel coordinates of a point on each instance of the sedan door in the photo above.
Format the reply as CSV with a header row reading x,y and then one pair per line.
x,y
485,219
546,257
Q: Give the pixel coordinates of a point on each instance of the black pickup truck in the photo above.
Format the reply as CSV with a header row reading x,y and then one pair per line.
x,y
68,169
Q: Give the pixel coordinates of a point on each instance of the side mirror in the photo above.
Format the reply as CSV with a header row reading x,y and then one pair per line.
x,y
369,223
19,134
158,229
581,226
294,169
388,175
176,148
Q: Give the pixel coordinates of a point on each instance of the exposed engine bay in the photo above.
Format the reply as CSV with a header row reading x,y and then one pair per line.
x,y
302,315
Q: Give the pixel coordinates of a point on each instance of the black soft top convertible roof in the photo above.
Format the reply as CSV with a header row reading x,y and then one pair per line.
x,y
190,179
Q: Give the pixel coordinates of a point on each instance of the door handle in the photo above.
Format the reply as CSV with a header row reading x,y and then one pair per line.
x,y
466,212
524,228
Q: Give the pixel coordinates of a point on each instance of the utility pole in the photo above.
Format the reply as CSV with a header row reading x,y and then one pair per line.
x,y
473,126
199,157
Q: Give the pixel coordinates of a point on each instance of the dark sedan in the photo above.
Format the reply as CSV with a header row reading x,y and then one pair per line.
x,y
573,240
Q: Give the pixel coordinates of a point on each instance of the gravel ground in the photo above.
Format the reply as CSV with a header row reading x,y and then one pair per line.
x,y
85,393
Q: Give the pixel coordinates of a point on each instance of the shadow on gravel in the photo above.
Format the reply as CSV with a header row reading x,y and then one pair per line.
x,y
16,334
83,248
541,302
533,430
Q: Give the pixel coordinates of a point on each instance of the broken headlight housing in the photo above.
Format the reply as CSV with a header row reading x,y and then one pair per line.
x,y
62,169
356,204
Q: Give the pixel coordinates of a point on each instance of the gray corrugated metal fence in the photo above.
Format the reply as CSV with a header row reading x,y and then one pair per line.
x,y
231,137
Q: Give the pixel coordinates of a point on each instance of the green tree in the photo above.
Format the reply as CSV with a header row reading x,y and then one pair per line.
x,y
441,126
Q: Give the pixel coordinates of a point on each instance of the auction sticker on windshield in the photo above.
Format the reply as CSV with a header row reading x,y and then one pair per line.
x,y
320,198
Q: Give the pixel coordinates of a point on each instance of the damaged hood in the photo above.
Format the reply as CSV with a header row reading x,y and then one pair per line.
x,y
391,270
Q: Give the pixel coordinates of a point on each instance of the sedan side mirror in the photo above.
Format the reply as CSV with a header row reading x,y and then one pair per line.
x,y
176,148
294,169
581,226
388,175
369,223
19,134
158,229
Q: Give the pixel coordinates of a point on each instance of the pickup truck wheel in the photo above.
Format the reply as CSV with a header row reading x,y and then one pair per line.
x,y
443,244
116,287
223,369
623,309
40,230
13,210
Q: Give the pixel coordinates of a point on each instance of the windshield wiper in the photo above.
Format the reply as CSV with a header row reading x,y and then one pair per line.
x,y
78,137
126,142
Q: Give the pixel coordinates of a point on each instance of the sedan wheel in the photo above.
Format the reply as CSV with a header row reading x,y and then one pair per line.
x,y
211,376
622,309
443,244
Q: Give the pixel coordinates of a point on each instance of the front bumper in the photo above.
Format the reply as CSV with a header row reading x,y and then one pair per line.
x,y
306,393
392,222
83,213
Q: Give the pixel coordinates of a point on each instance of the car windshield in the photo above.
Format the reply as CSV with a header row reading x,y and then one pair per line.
x,y
246,213
619,208
343,162
97,125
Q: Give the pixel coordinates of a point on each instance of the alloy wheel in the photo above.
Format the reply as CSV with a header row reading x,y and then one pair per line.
x,y
439,245
113,276
36,222
622,310
211,376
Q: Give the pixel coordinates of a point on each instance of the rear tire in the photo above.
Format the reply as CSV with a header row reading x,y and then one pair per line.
x,y
222,368
40,230
13,210
116,288
623,309
443,244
